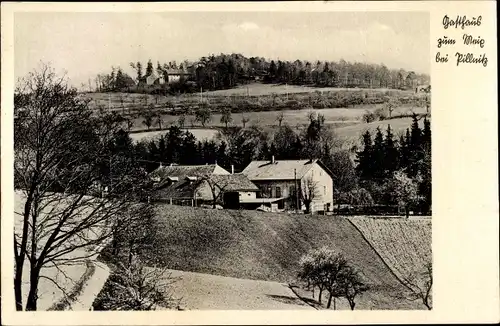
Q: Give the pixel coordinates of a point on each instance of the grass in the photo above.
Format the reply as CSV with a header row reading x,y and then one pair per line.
x,y
259,89
405,245
264,246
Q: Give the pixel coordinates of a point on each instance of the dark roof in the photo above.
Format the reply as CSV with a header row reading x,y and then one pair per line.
x,y
234,182
177,72
182,171
281,169
180,189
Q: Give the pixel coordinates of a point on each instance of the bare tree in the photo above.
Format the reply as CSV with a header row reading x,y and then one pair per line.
x,y
351,285
226,116
159,118
280,118
217,187
62,158
309,191
421,287
244,120
181,121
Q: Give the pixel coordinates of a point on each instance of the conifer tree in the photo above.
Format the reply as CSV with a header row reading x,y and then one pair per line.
x,y
364,158
391,159
149,68
378,154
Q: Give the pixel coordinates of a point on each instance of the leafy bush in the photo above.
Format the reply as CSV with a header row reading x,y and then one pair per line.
x,y
136,287
329,271
369,117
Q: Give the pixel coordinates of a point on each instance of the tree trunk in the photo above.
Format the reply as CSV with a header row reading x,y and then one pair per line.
x,y
131,244
352,304
334,303
407,212
31,303
18,282
328,305
320,295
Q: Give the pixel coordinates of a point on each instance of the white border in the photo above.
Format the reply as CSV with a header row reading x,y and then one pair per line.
x,y
465,188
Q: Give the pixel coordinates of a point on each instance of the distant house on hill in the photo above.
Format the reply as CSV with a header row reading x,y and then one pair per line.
x,y
154,79
279,180
194,185
175,75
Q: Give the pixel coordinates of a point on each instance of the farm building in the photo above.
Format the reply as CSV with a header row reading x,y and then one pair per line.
x,y
154,79
194,185
278,181
175,75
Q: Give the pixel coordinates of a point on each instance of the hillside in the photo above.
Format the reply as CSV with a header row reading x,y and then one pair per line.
x,y
265,246
405,245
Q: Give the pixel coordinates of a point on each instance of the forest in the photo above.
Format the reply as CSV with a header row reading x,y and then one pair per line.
x,y
224,71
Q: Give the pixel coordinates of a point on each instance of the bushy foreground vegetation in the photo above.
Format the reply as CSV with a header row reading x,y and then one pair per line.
x,y
329,271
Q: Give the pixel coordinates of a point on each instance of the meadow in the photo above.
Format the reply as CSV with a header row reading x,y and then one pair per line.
x,y
404,244
265,246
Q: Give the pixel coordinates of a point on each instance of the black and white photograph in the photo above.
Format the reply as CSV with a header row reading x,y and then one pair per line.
x,y
206,160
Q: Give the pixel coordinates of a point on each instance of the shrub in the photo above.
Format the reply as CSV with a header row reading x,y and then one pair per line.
x,y
381,113
369,117
135,287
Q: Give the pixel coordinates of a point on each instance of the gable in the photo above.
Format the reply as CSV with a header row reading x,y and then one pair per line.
x,y
281,169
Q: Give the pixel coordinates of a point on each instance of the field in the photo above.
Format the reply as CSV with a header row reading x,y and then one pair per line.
x,y
258,89
265,246
118,100
205,291
405,245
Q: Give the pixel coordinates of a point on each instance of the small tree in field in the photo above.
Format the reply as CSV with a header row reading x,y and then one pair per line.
x,y
280,118
330,271
421,287
159,119
226,117
351,285
406,190
244,121
181,121
148,119
203,115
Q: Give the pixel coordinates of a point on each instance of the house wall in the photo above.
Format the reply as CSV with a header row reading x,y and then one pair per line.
x,y
247,194
324,185
173,78
284,186
205,193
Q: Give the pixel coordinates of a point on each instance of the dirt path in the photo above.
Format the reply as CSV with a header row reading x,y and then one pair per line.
x,y
206,291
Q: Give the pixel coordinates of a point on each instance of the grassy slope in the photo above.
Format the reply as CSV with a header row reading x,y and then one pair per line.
x,y
405,245
265,246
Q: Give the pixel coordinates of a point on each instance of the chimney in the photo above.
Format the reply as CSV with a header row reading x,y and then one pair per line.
x,y
232,169
272,159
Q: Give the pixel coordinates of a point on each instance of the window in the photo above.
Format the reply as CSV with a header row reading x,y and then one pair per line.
x,y
324,190
278,192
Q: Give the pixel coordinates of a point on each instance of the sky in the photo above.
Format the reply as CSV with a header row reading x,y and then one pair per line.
x,y
85,44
